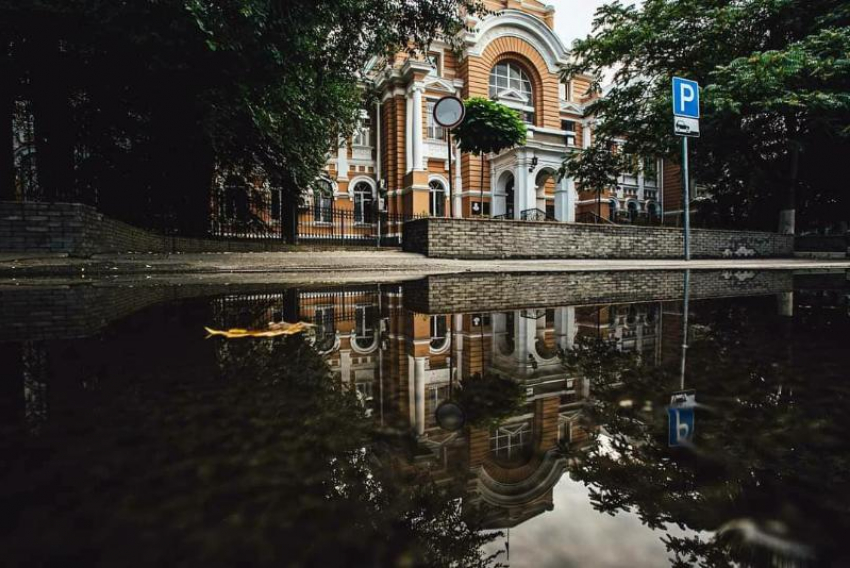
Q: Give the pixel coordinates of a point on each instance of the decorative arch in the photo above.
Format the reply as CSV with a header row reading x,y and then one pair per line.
x,y
544,81
517,25
362,179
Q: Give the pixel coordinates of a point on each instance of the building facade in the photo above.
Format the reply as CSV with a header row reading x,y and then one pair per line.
x,y
398,162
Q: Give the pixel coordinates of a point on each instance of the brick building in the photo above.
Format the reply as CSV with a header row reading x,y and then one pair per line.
x,y
398,160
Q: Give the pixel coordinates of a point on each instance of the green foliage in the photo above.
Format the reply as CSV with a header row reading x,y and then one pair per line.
x,y
776,77
488,400
138,104
241,452
769,436
489,127
595,168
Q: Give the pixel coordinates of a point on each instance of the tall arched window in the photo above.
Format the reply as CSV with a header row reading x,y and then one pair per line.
x,y
323,201
511,86
363,202
437,207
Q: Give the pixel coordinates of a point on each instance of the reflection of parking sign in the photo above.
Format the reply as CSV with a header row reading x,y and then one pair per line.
x,y
681,426
681,418
685,98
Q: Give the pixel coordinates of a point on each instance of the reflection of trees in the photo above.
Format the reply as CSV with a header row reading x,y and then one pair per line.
x,y
489,399
770,456
263,461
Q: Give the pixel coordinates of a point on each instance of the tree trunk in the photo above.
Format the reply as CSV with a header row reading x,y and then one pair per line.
x,y
54,135
7,101
482,189
788,210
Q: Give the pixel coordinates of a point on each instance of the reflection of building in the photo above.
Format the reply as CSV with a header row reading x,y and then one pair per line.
x,y
403,364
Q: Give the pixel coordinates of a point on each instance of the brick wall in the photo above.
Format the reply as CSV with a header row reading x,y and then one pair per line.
x,y
474,293
487,238
79,230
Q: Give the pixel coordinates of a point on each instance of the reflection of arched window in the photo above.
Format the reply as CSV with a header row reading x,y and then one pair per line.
x,y
507,344
323,201
633,210
363,202
364,332
437,207
325,329
511,86
509,442
439,333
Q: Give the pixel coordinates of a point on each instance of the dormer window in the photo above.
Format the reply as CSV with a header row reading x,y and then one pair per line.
x,y
436,61
363,132
511,86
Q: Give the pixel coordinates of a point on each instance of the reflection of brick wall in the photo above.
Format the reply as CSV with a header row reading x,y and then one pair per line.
x,y
79,230
488,239
462,293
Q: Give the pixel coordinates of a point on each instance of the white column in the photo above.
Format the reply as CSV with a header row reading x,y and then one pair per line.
x,y
524,188
378,142
408,135
565,327
458,184
345,366
785,304
417,127
342,160
419,394
585,135
641,182
565,201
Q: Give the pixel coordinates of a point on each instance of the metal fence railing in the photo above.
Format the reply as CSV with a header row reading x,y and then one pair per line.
x,y
328,225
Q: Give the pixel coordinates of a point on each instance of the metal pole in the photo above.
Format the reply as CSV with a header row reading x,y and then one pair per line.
x,y
451,176
686,198
685,309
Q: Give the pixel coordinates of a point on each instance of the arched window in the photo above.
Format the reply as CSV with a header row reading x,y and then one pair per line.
x,y
612,210
437,207
633,211
511,86
652,210
363,202
323,201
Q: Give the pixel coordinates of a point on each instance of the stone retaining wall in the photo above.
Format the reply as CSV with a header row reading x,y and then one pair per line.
x,y
489,239
473,293
79,230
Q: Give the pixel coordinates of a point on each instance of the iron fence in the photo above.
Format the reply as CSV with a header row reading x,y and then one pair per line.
x,y
328,225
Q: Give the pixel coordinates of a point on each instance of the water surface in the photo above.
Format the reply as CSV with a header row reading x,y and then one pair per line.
x,y
131,437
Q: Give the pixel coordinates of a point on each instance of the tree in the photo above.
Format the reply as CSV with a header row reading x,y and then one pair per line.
x,y
489,128
776,78
595,168
140,104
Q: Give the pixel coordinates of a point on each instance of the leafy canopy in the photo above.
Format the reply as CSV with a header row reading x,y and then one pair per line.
x,y
489,127
776,77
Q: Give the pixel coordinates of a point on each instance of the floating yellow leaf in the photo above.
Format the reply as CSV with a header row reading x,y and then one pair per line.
x,y
274,330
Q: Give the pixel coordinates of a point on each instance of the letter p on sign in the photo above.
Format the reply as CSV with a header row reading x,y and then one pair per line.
x,y
685,98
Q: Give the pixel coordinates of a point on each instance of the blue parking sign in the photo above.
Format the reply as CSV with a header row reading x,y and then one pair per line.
x,y
685,98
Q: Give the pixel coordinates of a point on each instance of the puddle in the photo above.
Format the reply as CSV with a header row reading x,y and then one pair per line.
x,y
468,420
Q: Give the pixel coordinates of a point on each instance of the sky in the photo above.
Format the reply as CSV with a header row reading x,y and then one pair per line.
x,y
574,18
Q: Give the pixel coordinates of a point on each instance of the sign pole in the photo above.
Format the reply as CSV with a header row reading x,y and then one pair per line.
x,y
451,177
686,198
448,113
